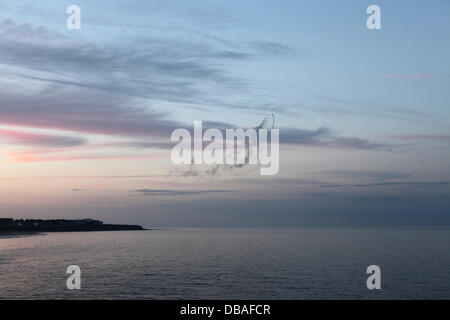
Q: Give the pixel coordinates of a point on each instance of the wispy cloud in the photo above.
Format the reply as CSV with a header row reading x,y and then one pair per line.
x,y
371,174
272,48
39,139
389,184
324,137
415,77
405,183
409,137
90,157
109,80
168,192
367,108
103,92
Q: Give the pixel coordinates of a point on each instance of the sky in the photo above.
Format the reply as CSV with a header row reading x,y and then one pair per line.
x,y
364,116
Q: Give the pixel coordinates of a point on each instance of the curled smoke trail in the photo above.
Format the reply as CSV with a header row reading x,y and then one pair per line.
x,y
225,169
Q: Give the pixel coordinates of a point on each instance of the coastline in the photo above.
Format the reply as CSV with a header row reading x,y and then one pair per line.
x,y
26,230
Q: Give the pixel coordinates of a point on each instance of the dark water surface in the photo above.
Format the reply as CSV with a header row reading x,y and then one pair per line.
x,y
228,264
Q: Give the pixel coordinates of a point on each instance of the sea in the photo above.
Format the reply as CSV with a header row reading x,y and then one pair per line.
x,y
271,263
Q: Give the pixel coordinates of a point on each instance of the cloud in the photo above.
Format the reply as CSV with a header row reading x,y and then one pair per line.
x,y
140,145
214,170
84,111
403,183
167,192
271,48
324,137
163,68
415,77
110,89
356,143
78,83
99,177
367,108
290,182
409,137
371,174
38,139
90,157
303,136
397,183
158,68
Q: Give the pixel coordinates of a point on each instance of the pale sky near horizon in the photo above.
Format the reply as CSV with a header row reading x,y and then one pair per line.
x,y
364,115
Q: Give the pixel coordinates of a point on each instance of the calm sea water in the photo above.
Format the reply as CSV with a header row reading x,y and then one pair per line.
x,y
228,264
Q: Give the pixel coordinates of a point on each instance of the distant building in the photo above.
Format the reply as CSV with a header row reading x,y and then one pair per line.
x,y
6,221
9,222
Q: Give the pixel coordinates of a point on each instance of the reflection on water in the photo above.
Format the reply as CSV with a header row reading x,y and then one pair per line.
x,y
227,264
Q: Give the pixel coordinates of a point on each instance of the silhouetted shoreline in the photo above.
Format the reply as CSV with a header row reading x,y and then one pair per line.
x,y
10,226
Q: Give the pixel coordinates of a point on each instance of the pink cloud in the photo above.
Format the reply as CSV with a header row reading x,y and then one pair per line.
x,y
31,158
38,139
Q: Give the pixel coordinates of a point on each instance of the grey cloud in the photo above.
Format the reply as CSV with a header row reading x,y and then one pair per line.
x,y
409,137
367,108
282,181
84,111
372,174
356,143
324,137
234,55
156,69
195,171
394,183
39,139
302,136
272,48
152,145
167,192
421,183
